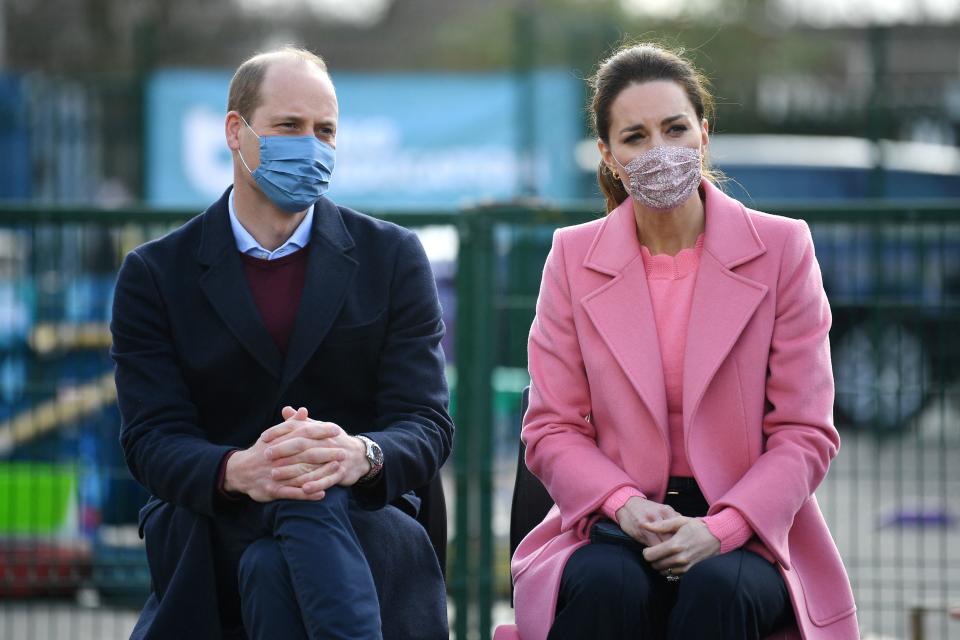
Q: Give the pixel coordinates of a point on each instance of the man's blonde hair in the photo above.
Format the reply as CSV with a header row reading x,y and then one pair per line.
x,y
244,95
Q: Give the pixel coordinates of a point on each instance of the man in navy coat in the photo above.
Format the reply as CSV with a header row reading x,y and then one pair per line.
x,y
281,387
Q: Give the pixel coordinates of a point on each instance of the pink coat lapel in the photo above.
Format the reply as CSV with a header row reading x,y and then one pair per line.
x,y
622,313
723,301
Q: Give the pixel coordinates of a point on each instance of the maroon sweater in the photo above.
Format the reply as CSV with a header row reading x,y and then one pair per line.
x,y
276,286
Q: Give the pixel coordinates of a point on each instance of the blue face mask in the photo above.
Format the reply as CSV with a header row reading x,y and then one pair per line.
x,y
294,171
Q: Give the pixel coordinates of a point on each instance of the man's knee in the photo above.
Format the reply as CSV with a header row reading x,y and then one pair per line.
x,y
331,511
262,566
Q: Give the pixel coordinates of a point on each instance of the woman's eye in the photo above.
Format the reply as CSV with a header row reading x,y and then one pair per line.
x,y
678,128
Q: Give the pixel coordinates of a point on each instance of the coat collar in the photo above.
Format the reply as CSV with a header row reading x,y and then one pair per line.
x,y
729,236
217,235
330,271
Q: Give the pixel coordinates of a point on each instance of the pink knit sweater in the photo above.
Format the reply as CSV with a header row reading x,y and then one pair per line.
x,y
670,280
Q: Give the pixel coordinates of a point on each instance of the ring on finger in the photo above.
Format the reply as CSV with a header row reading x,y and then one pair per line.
x,y
671,577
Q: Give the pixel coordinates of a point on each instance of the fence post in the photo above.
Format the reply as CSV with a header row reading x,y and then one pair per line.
x,y
473,450
916,623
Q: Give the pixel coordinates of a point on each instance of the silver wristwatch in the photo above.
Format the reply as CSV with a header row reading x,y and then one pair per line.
x,y
374,457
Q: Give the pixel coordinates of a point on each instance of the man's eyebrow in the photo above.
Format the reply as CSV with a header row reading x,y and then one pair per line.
x,y
328,122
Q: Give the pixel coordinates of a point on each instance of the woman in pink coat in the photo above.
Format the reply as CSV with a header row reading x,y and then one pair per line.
x,y
681,401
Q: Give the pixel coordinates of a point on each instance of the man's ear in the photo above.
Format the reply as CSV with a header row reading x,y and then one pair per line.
x,y
231,128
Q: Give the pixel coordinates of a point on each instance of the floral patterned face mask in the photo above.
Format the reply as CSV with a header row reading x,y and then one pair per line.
x,y
664,177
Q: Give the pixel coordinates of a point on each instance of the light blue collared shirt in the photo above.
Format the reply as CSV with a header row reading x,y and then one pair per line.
x,y
248,245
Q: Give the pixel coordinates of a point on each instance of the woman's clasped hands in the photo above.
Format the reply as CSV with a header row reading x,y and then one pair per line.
x,y
674,543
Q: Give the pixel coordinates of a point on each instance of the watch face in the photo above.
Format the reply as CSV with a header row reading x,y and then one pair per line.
x,y
375,453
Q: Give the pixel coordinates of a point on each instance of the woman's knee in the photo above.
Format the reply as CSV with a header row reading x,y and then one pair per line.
x,y
610,575
714,580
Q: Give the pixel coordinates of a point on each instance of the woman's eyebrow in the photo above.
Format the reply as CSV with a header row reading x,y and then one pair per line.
x,y
679,116
639,126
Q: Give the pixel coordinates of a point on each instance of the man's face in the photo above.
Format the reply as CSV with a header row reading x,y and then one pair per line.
x,y
296,99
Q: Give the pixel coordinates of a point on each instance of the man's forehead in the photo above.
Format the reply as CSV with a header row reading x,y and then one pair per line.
x,y
294,85
282,62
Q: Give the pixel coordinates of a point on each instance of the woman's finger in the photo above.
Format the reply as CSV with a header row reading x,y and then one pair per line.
x,y
661,551
671,525
677,563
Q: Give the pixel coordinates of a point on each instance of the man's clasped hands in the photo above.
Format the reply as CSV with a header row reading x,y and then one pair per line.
x,y
298,459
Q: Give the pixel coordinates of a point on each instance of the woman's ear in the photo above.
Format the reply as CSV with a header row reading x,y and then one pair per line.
x,y
606,156
704,132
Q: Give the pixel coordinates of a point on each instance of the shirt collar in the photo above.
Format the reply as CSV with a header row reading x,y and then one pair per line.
x,y
248,245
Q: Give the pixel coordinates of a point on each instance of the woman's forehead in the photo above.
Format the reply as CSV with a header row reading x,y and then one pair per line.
x,y
650,102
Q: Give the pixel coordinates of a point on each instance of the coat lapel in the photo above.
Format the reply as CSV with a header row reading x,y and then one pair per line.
x,y
723,300
622,312
329,274
225,286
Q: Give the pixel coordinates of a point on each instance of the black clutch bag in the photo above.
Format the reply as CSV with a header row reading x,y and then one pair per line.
x,y
607,531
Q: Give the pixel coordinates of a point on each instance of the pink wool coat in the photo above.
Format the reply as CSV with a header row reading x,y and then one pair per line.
x,y
757,400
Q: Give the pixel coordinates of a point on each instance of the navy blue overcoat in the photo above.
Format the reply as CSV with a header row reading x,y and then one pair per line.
x,y
198,374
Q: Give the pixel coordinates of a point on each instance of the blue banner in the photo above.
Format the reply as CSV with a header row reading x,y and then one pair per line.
x,y
405,140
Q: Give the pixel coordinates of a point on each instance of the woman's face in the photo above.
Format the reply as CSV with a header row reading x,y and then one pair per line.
x,y
647,115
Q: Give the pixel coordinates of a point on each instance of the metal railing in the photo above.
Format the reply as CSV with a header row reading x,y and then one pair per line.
x,y
66,503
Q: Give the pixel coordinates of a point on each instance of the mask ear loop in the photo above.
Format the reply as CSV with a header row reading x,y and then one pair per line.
x,y
240,153
615,174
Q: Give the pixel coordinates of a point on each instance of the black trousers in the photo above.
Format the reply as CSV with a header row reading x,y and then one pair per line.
x,y
610,591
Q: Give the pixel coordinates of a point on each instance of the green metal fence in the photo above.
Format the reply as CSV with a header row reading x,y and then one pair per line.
x,y
66,503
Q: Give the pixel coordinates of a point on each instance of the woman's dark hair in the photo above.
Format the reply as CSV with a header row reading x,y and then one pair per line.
x,y
634,64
